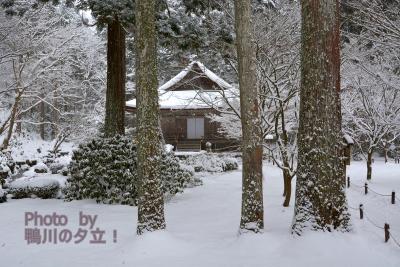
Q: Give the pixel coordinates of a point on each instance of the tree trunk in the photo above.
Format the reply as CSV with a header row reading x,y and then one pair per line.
x,y
13,116
386,154
116,74
320,195
287,181
369,164
252,217
42,118
151,202
55,117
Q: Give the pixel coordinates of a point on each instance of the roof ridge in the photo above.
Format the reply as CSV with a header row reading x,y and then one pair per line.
x,y
181,75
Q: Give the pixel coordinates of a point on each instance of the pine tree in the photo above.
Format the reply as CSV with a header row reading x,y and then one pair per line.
x,y
320,196
252,217
151,202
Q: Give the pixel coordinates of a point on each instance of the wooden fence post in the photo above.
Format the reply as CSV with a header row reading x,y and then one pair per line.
x,y
348,181
387,233
366,188
393,197
361,211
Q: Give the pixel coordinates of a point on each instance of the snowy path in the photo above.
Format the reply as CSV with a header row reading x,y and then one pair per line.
x,y
202,230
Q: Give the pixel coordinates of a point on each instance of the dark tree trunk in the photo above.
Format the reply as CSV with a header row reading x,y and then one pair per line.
x,y
369,164
252,218
151,202
287,181
116,74
320,195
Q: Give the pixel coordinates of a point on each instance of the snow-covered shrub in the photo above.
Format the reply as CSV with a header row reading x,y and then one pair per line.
x,y
39,187
230,164
174,177
3,195
64,171
41,168
105,169
56,167
211,163
5,163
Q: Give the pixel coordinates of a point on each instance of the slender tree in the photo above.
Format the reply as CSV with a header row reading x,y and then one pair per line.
x,y
320,196
252,218
151,202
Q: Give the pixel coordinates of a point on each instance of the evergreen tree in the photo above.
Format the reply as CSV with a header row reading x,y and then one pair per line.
x,y
320,196
252,217
114,15
151,202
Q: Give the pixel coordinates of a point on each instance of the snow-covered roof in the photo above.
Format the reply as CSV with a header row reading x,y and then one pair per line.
x,y
269,137
191,98
348,139
193,68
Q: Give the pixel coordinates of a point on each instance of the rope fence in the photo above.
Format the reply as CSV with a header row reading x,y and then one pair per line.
x,y
386,227
367,189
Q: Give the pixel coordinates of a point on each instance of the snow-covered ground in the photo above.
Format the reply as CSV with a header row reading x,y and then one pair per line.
x,y
203,229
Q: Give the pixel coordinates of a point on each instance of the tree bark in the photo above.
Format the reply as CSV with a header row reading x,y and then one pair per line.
x,y
320,195
116,75
369,164
252,217
151,202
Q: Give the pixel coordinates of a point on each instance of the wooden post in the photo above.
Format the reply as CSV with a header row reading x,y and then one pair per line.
x,y
361,211
393,197
366,188
348,181
387,233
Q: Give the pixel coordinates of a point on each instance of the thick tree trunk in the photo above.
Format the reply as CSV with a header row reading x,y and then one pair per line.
x,y
151,202
252,218
116,74
320,196
369,164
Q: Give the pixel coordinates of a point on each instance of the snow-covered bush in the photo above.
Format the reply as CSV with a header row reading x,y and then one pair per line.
x,y
39,187
174,177
211,163
41,168
3,195
105,169
56,167
5,170
230,164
